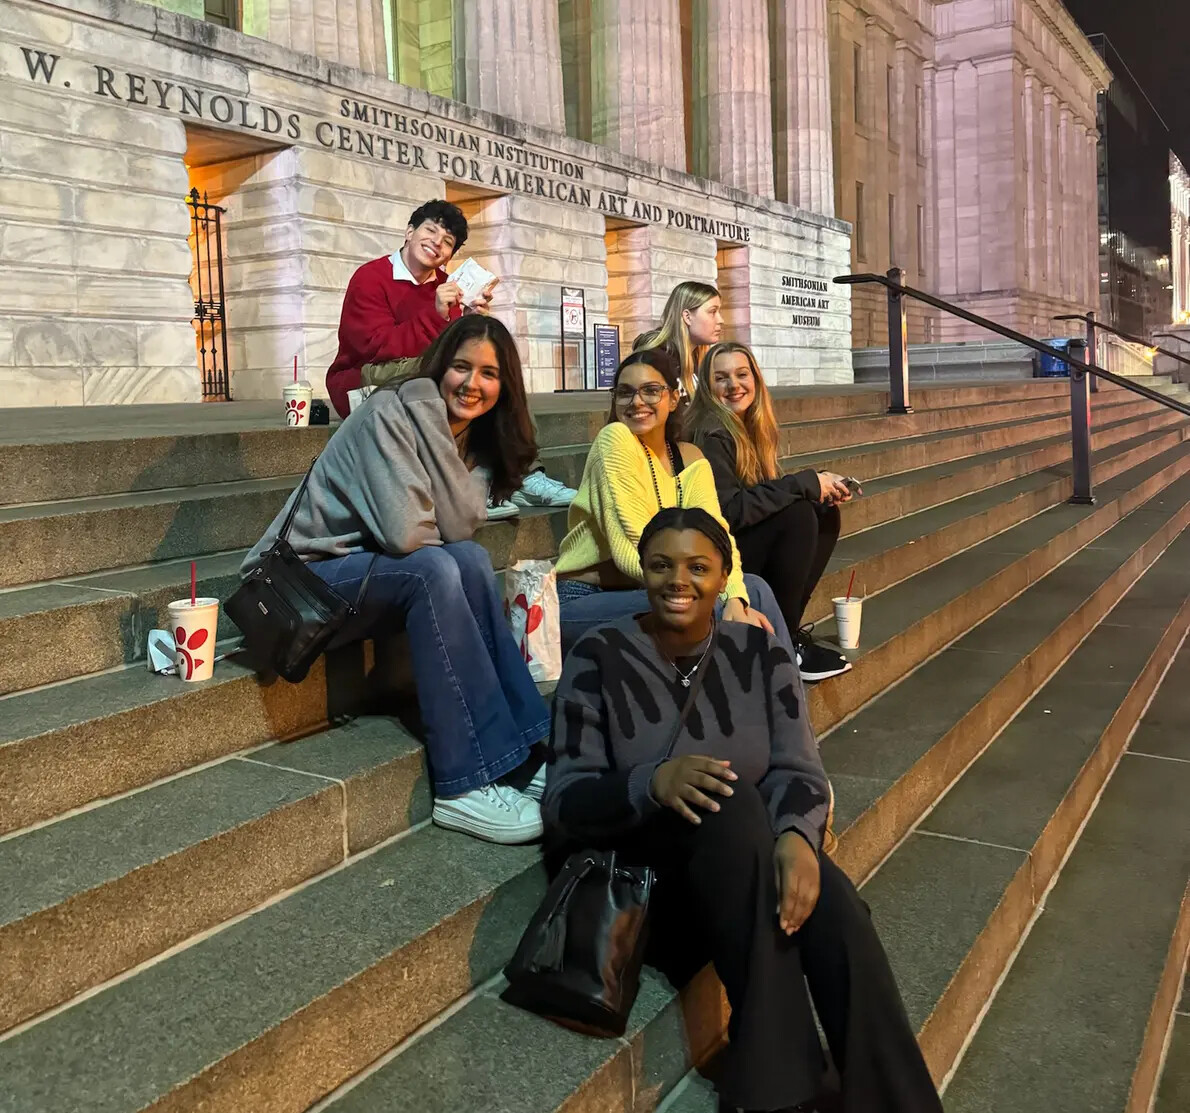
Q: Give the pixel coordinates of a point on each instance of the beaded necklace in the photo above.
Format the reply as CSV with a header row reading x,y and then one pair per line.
x,y
674,462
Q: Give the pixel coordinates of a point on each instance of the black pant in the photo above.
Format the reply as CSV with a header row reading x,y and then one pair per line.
x,y
790,550
716,898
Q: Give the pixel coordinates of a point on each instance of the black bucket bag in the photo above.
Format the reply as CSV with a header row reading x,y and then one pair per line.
x,y
580,958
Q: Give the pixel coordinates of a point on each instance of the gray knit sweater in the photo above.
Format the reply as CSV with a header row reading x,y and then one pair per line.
x,y
616,703
390,479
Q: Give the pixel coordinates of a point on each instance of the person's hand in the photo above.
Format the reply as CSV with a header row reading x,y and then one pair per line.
x,y
483,300
798,881
736,610
446,297
686,780
832,489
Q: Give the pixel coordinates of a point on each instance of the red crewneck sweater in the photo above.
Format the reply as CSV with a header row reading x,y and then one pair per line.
x,y
383,318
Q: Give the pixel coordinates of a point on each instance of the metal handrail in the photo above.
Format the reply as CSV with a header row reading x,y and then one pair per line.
x,y
1082,372
1012,334
1092,321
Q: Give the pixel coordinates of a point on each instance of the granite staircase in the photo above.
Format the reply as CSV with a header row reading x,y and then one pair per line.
x,y
227,896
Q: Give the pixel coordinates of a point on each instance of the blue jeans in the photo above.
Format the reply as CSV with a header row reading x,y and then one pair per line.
x,y
582,606
479,705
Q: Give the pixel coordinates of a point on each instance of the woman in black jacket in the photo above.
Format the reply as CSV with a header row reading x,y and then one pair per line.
x,y
785,526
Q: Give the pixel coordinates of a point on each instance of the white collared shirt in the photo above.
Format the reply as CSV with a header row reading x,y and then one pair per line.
x,y
401,272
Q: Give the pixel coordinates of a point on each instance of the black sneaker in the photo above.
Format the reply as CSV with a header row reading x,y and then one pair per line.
x,y
817,662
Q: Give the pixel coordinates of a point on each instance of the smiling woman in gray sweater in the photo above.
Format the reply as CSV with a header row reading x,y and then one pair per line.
x,y
393,501
732,822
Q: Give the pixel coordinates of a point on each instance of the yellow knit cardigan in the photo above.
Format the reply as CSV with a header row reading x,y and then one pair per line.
x,y
616,500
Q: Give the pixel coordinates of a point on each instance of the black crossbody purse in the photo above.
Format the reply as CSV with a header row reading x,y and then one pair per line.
x,y
287,614
580,958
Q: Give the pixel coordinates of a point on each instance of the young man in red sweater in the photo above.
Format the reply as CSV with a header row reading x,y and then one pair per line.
x,y
397,305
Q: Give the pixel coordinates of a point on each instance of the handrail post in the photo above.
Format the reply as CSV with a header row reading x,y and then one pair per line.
x,y
1080,427
1092,349
898,347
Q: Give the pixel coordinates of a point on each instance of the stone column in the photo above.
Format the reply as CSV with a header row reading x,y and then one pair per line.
x,y
637,99
1093,245
350,32
801,90
508,59
1052,209
1066,180
732,101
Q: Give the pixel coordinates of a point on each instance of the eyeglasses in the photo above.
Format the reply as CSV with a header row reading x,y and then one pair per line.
x,y
650,393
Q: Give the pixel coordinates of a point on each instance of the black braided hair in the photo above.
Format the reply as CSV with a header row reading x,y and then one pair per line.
x,y
688,517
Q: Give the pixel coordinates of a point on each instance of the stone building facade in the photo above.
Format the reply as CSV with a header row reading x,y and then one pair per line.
x,y
965,133
1179,202
110,110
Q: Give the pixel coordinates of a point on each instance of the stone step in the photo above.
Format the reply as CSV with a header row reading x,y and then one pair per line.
x,y
1081,1020
839,433
46,471
1173,1090
52,541
522,1062
517,1061
891,497
567,463
188,853
137,448
69,744
106,616
66,745
277,1009
567,421
891,759
907,624
891,552
58,631
955,896
884,458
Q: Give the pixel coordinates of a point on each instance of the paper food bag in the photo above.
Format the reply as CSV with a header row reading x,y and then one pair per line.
x,y
531,604
471,279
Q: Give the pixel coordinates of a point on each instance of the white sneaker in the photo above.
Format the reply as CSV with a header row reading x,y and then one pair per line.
x,y
496,813
497,511
538,489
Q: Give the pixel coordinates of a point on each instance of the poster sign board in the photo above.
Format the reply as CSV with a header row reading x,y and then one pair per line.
x,y
607,355
574,338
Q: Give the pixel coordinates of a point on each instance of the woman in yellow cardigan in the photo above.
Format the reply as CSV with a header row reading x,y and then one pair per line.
x,y
636,466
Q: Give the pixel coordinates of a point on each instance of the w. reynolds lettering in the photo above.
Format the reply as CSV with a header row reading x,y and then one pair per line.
x,y
376,132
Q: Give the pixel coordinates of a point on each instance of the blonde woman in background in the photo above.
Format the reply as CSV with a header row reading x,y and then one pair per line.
x,y
692,321
785,526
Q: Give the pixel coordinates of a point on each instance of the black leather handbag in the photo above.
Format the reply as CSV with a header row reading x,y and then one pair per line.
x,y
287,614
580,958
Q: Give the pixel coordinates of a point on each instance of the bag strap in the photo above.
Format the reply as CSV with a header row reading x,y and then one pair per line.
x,y
283,533
692,695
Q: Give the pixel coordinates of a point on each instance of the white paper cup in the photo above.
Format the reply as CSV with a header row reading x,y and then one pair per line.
x,y
298,399
847,619
193,628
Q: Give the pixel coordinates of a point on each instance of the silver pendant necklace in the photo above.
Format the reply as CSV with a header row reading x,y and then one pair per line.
x,y
687,677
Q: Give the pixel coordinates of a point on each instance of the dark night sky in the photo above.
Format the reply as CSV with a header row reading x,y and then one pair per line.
x,y
1154,38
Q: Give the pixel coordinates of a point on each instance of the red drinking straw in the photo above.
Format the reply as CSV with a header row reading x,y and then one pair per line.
x,y
193,585
295,369
850,585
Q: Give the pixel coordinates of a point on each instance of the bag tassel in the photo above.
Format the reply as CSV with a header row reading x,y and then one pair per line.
x,y
551,951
